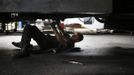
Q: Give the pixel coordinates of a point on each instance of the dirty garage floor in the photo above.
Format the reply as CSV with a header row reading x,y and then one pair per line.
x,y
99,55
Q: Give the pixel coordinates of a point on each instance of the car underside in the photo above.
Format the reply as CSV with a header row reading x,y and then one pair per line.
x,y
114,13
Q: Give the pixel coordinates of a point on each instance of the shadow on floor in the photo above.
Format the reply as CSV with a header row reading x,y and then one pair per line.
x,y
118,62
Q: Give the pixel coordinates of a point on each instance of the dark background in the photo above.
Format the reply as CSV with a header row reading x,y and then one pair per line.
x,y
47,6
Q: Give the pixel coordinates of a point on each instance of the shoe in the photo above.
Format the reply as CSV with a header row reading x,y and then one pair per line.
x,y
17,44
24,52
52,50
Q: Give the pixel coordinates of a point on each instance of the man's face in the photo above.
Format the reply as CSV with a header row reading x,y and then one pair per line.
x,y
75,37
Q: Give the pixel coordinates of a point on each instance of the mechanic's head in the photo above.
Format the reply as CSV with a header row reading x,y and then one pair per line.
x,y
77,37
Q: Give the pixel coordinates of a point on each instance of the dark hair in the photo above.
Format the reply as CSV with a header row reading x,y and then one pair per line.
x,y
80,36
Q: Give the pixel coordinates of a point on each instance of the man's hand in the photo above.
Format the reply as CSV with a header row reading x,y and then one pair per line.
x,y
53,25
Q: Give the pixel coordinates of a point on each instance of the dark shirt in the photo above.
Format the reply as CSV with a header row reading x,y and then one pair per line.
x,y
54,43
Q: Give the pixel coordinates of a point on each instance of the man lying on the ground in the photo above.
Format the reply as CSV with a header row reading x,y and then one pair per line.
x,y
60,42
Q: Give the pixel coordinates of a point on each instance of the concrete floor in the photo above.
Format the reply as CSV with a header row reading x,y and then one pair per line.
x,y
99,55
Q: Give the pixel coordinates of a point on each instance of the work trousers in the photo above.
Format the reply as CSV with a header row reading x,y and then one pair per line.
x,y
30,32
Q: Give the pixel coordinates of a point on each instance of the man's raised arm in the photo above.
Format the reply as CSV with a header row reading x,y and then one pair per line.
x,y
58,35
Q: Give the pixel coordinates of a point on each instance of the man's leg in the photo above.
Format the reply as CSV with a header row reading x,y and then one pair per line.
x,y
28,33
33,32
